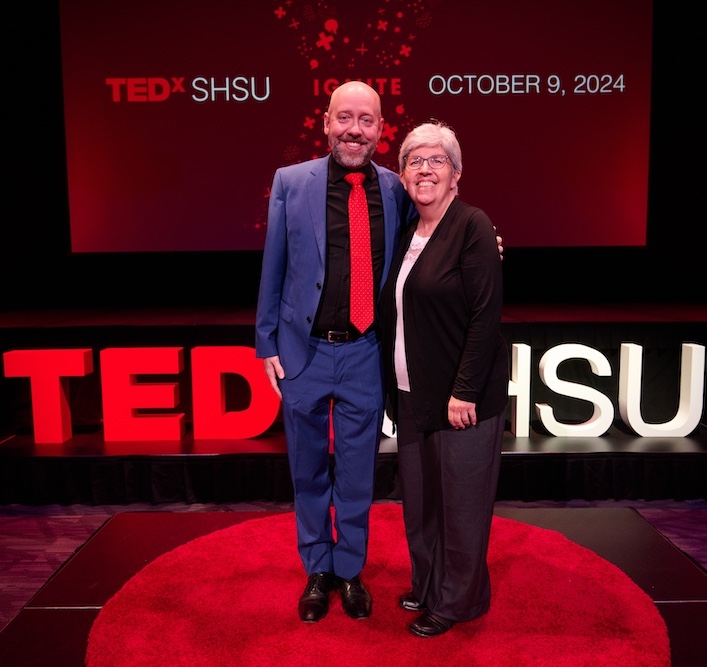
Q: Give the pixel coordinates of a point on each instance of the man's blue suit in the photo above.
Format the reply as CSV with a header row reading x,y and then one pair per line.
x,y
319,376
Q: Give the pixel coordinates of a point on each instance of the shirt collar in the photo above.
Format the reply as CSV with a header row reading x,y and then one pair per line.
x,y
337,172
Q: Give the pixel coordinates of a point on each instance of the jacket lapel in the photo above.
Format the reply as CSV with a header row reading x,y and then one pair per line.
x,y
316,199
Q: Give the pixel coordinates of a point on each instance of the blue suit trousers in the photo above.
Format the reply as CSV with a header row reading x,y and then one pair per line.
x,y
342,382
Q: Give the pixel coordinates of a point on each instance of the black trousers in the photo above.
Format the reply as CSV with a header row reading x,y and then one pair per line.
x,y
448,482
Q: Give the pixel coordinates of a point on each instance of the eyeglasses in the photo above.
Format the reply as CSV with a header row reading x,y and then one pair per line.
x,y
434,161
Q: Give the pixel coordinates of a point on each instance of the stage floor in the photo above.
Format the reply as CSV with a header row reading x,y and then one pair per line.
x,y
53,627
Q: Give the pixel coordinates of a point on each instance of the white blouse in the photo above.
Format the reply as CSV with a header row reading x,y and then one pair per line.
x,y
417,245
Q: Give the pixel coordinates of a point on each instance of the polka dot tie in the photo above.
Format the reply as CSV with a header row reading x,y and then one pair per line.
x,y
361,263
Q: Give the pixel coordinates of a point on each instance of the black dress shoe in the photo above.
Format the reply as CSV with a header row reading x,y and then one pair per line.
x,y
355,599
430,625
410,603
314,603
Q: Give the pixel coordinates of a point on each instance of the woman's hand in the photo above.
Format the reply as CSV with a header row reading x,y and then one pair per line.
x,y
461,414
499,242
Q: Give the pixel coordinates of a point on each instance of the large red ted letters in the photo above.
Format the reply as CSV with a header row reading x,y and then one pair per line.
x,y
49,371
143,408
125,395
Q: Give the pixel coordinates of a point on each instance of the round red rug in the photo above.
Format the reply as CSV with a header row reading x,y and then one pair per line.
x,y
230,598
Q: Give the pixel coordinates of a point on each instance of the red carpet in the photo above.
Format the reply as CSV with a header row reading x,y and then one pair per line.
x,y
230,598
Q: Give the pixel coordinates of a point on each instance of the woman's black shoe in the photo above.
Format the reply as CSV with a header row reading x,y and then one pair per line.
x,y
429,625
410,603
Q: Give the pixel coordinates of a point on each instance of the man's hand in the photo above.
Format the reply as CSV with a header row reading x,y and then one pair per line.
x,y
274,371
499,242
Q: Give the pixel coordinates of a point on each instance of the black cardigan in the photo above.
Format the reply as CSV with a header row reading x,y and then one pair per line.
x,y
453,301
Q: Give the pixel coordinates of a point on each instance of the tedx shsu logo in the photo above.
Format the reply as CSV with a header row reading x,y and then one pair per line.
x,y
199,89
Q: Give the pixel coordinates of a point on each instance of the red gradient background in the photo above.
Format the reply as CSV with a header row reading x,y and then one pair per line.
x,y
180,174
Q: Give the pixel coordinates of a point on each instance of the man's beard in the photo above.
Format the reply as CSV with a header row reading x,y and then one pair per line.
x,y
346,159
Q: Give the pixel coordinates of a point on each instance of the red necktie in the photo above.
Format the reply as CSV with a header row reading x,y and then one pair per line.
x,y
361,262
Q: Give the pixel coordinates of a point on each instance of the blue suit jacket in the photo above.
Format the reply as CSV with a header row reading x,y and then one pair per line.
x,y
294,259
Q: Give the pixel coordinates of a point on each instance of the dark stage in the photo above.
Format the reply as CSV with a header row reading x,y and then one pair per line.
x,y
67,605
600,297
87,469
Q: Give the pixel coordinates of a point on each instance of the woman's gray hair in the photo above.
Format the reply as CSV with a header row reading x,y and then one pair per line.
x,y
432,133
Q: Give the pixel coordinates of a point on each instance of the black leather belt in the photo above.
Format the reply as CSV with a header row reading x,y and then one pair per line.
x,y
337,336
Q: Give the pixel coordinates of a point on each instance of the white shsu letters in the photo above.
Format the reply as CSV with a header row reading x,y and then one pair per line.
x,y
692,384
48,371
244,89
603,415
519,390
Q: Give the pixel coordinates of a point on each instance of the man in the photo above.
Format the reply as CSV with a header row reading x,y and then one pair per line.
x,y
319,364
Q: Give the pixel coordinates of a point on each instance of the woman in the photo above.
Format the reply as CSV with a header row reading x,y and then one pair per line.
x,y
447,370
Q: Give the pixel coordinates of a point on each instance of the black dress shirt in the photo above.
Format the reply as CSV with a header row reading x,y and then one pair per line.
x,y
333,311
